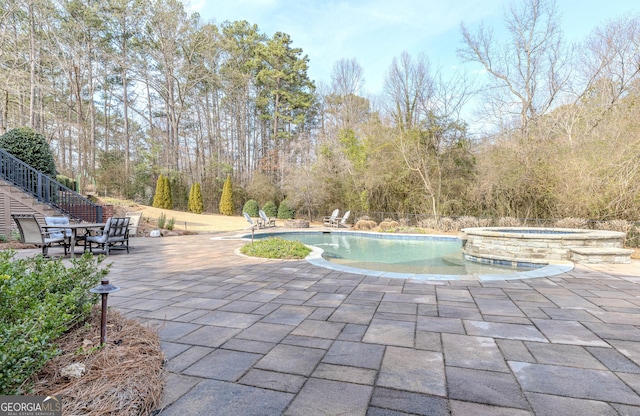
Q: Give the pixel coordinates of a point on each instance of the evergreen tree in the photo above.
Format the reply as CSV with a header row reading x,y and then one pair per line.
x,y
226,201
158,198
30,147
167,198
190,200
195,199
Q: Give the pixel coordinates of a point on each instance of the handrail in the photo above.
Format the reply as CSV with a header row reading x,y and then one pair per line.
x,y
47,190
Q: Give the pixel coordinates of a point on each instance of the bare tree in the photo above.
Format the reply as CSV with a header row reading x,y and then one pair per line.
x,y
528,71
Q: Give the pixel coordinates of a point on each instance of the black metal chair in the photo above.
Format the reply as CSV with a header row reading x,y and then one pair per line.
x,y
114,235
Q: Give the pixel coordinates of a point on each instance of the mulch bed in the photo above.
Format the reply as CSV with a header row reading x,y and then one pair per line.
x,y
125,377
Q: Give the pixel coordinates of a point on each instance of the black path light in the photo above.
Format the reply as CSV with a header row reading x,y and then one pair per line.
x,y
104,289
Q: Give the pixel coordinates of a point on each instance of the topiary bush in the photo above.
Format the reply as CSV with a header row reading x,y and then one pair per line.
x,y
285,211
270,209
40,299
226,200
195,199
31,147
251,207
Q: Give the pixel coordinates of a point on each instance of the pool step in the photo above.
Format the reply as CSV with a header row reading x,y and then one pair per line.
x,y
596,255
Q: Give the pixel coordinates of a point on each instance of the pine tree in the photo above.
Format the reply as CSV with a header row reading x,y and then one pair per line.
x,y
158,198
166,193
191,195
198,204
226,200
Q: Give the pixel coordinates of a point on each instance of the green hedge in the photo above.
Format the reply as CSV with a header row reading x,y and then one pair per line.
x,y
40,300
251,207
270,209
286,211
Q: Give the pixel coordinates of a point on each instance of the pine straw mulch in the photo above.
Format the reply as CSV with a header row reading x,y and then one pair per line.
x,y
125,377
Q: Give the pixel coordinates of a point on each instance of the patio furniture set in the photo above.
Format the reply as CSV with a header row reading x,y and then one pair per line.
x,y
109,235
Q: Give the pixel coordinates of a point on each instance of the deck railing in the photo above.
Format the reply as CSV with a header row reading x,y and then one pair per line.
x,y
47,190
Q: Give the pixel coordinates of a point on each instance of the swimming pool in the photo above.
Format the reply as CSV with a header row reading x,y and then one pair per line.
x,y
402,255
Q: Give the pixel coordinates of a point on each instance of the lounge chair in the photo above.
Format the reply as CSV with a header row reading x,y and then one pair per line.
x,y
252,224
31,233
266,221
114,235
341,222
328,221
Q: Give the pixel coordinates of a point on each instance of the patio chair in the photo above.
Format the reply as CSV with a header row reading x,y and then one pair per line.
x,y
266,221
114,235
328,221
252,224
31,233
134,222
341,222
58,232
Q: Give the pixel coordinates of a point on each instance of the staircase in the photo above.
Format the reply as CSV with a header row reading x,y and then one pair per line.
x,y
24,189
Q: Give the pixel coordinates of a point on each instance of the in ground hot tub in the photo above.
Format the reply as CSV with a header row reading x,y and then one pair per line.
x,y
544,245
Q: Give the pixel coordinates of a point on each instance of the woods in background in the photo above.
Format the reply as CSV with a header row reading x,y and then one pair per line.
x,y
128,90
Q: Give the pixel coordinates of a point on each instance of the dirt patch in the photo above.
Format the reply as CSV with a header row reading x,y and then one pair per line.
x,y
15,245
124,377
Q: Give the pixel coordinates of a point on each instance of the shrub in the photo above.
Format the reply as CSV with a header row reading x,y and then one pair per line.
x,y
40,299
195,199
167,201
158,197
509,222
389,225
270,209
251,207
365,225
276,248
571,223
171,223
285,211
226,200
68,182
162,221
30,147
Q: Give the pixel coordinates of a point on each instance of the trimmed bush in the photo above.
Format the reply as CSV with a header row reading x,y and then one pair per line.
x,y
226,200
195,199
270,209
31,147
40,300
251,207
158,197
285,211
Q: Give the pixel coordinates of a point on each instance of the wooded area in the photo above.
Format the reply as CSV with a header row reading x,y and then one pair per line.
x,y
128,90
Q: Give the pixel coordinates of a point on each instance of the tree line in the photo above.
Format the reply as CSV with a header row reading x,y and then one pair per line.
x,y
128,90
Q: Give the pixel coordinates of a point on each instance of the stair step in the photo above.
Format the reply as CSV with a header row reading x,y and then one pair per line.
x,y
596,255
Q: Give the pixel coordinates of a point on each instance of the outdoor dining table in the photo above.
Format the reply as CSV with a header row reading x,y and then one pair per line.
x,y
74,231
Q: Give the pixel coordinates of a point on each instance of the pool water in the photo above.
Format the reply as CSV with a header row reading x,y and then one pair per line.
x,y
389,253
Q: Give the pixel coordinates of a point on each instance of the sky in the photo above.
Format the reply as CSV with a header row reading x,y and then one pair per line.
x,y
375,31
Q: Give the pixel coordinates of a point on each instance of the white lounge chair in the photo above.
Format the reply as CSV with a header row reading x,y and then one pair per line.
x,y
341,222
31,233
252,224
328,221
265,220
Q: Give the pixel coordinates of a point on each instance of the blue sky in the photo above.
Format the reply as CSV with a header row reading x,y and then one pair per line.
x,y
375,31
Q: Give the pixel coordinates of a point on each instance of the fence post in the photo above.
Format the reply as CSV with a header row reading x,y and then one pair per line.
x,y
98,213
39,186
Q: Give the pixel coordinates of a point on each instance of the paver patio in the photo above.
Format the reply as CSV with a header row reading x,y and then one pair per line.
x,y
246,336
